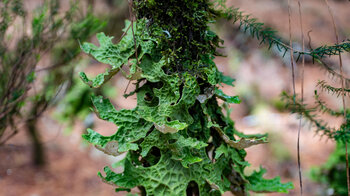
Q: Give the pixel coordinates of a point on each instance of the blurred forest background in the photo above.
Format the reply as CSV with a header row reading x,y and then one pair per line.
x,y
41,149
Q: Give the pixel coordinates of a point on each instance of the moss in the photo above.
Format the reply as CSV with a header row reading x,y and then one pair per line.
x,y
187,36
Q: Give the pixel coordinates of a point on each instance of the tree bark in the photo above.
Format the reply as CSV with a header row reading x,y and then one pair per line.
x,y
38,152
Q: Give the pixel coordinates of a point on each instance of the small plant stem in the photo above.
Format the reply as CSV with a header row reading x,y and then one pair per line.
x,y
132,28
343,96
302,98
294,93
131,2
291,48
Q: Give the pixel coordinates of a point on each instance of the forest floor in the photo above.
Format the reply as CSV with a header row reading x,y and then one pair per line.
x,y
260,75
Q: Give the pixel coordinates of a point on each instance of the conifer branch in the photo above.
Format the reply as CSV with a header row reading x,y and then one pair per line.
x,y
322,107
267,35
322,127
330,89
343,92
332,72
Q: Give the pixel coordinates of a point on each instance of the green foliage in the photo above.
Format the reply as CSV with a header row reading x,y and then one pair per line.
x,y
330,89
258,184
76,103
333,173
269,36
177,136
229,99
50,33
311,114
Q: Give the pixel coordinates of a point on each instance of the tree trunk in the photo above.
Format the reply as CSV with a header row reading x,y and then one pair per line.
x,y
38,152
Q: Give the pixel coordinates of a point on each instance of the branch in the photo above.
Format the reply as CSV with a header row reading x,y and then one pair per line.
x,y
267,35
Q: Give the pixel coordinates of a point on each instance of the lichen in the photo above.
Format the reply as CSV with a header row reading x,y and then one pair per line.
x,y
169,135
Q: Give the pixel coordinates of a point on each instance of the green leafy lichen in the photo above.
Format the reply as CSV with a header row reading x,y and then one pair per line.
x,y
177,135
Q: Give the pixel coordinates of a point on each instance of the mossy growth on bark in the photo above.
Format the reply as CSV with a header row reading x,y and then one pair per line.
x,y
177,139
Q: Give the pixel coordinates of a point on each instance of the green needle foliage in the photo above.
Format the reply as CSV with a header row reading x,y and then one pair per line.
x,y
177,139
311,114
333,173
269,36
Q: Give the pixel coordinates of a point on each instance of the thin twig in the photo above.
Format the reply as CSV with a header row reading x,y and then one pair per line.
x,y
343,94
309,36
302,97
127,86
294,93
132,28
131,2
124,33
291,47
14,132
